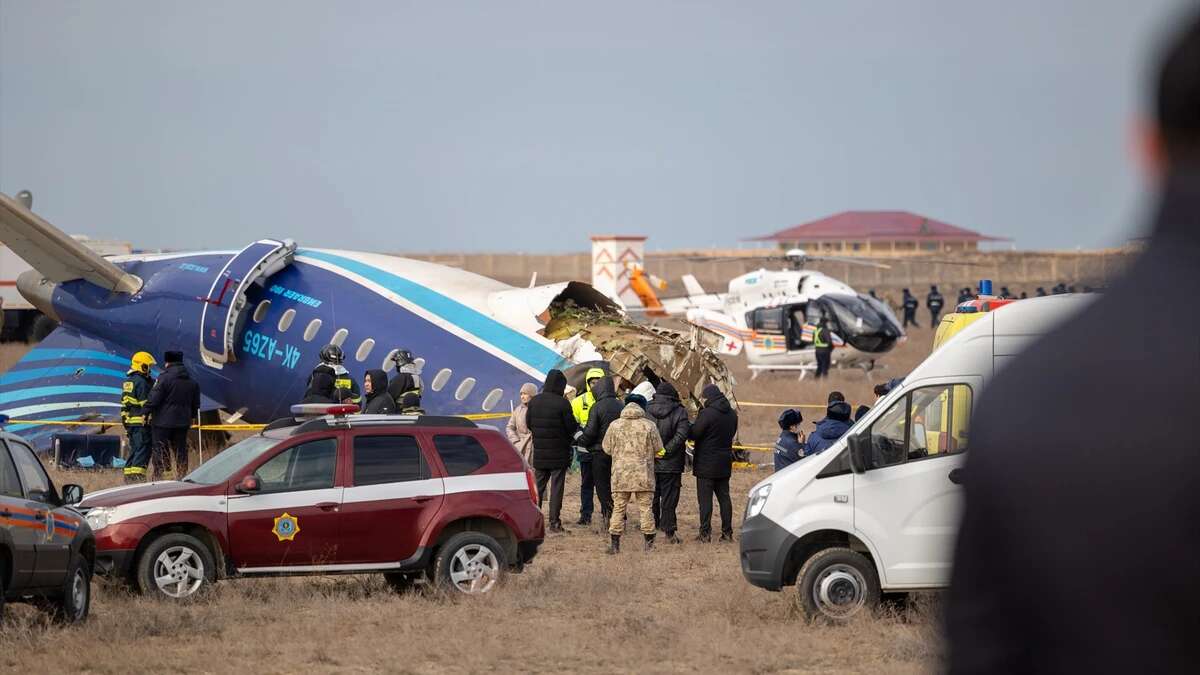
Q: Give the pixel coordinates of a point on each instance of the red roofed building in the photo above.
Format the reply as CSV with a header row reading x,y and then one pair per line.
x,y
867,232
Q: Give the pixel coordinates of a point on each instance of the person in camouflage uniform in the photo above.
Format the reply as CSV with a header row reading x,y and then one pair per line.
x,y
632,441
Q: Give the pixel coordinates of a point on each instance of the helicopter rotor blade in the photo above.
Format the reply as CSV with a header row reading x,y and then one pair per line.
x,y
851,261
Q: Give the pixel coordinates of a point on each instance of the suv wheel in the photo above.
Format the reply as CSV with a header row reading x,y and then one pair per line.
x,y
471,563
76,599
836,584
175,566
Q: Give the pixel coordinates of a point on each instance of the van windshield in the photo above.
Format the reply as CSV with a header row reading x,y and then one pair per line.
x,y
221,467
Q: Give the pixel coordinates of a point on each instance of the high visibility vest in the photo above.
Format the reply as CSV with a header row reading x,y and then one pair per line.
x,y
819,338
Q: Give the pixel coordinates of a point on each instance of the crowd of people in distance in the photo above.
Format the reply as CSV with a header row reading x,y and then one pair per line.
x,y
631,448
935,302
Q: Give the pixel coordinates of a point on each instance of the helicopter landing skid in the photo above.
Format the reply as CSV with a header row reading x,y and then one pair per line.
x,y
804,370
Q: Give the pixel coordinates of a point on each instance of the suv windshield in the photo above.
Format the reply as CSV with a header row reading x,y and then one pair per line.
x,y
220,468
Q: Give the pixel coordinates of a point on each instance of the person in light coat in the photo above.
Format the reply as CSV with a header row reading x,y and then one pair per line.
x,y
517,429
632,441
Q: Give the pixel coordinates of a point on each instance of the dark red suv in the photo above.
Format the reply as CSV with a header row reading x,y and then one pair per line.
x,y
409,496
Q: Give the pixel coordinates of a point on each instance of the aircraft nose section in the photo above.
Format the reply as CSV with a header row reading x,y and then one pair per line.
x,y
38,291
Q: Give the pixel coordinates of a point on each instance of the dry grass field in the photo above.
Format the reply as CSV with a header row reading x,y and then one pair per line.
x,y
679,608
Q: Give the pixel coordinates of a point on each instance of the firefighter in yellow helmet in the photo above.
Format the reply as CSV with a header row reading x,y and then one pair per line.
x,y
134,393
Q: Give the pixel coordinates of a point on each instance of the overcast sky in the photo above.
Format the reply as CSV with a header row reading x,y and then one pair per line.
x,y
528,126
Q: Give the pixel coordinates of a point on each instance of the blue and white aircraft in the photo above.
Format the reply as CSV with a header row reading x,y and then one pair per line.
x,y
251,324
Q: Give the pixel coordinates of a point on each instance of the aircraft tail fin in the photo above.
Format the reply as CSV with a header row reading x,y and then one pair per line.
x,y
56,255
693,287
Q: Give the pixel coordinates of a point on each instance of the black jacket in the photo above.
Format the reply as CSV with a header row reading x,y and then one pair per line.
x,y
327,385
175,399
552,425
379,401
135,392
713,433
1110,516
603,412
671,418
405,390
934,301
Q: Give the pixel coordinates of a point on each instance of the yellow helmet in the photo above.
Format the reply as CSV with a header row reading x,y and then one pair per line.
x,y
141,362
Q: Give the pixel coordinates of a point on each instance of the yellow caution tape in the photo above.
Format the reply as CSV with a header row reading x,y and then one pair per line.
x,y
780,405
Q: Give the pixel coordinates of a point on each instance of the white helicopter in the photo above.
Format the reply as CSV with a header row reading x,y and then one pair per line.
x,y
770,315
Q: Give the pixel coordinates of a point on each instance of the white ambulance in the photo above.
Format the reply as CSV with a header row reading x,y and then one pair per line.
x,y
877,513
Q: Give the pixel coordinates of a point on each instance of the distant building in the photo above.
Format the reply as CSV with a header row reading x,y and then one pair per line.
x,y
878,232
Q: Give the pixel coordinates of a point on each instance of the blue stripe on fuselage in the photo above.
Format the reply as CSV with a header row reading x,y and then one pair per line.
x,y
483,327
15,376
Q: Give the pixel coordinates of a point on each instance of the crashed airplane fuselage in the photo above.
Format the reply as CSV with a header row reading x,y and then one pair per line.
x,y
251,324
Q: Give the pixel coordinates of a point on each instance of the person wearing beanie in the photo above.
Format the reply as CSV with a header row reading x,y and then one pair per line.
x,y
790,446
631,441
671,419
517,428
552,428
830,429
636,399
173,404
713,434
645,390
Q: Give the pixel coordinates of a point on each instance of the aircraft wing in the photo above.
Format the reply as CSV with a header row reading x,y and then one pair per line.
x,y
56,255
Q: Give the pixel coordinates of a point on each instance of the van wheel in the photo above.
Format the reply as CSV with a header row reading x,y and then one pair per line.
x,y
76,599
175,566
471,563
836,584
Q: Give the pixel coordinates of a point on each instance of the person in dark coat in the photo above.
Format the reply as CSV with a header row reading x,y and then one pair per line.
x,y
712,462
823,348
376,399
910,305
671,418
829,430
1079,542
789,449
606,409
964,295
173,404
405,385
553,427
934,303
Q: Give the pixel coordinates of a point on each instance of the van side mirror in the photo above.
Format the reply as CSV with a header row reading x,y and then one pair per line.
x,y
249,485
860,451
72,494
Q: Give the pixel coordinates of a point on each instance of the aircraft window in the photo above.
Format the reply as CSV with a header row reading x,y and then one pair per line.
x,y
311,331
260,312
285,321
388,364
492,399
464,388
419,363
339,337
441,379
364,350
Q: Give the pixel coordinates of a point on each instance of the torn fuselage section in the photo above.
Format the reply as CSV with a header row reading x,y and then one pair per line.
x,y
634,353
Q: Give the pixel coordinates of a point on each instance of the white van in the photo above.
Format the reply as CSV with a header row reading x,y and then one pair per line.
x,y
878,511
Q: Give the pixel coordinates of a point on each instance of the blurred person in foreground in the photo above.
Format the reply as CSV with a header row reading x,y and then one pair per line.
x,y
1080,547
552,428
712,465
631,441
671,419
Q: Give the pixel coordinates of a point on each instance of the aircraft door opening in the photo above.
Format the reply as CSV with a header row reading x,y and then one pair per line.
x,y
226,300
